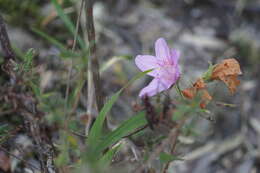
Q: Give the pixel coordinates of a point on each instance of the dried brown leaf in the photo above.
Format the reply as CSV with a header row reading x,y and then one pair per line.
x,y
189,92
227,71
205,99
199,85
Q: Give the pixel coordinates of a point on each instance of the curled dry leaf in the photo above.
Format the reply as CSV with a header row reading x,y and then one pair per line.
x,y
205,99
191,92
227,71
199,85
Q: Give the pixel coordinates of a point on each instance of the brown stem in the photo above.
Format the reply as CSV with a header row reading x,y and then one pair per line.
x,y
5,42
172,148
93,56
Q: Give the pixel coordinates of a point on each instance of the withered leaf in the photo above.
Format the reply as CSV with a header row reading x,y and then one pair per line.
x,y
205,99
199,85
227,71
189,92
206,95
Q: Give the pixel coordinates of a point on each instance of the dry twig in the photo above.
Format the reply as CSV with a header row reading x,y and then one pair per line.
x,y
68,114
93,56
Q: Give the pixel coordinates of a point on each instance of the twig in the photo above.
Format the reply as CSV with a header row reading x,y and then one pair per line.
x,y
5,42
90,98
89,104
9,56
93,56
150,113
78,134
71,63
178,130
95,92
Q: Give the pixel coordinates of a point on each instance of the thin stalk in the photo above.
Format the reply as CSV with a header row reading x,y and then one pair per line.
x,y
94,64
5,42
71,62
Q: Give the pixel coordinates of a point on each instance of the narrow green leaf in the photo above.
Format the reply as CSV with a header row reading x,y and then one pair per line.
x,y
106,159
178,89
68,23
95,132
109,63
49,38
124,129
64,52
112,61
138,76
79,85
165,157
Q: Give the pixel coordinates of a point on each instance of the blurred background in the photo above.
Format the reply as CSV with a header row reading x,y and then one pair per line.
x,y
203,30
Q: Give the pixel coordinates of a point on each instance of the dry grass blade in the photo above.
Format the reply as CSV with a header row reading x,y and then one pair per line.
x,y
93,56
71,63
5,42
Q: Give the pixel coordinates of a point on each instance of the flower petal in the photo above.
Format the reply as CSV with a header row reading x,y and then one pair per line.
x,y
175,55
154,87
162,50
147,62
169,75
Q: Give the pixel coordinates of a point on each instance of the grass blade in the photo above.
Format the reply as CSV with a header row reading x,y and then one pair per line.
x,y
68,23
49,38
108,156
165,157
55,42
124,129
96,130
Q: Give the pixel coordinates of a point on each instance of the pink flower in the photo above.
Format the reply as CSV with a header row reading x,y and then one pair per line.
x,y
165,68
